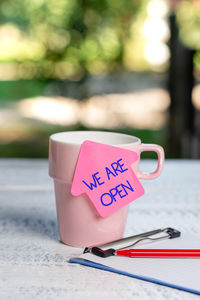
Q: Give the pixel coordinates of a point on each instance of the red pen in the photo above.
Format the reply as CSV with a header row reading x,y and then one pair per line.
x,y
170,253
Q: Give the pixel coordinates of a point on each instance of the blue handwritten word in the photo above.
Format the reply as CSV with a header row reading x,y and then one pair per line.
x,y
96,180
120,191
117,167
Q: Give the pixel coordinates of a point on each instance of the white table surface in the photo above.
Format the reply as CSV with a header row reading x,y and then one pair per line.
x,y
33,263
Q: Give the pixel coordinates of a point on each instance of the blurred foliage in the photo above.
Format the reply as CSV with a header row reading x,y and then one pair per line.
x,y
19,89
188,17
66,39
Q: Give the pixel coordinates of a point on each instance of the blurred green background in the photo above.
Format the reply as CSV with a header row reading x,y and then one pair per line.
x,y
88,64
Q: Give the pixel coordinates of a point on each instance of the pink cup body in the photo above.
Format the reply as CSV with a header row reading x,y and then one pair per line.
x,y
78,222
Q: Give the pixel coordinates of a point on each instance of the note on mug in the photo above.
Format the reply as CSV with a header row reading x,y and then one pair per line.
x,y
104,173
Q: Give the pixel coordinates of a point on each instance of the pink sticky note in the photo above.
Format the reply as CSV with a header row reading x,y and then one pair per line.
x,y
104,173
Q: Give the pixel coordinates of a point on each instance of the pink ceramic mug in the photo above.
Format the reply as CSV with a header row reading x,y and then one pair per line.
x,y
79,224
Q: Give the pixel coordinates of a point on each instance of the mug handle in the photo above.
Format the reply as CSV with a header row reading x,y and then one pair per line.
x,y
161,156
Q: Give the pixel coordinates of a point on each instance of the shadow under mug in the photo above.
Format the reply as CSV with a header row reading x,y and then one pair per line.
x,y
78,222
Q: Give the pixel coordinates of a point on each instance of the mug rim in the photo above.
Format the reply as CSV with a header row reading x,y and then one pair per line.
x,y
132,139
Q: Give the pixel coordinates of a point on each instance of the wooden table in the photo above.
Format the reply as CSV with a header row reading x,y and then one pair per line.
x,y
33,263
